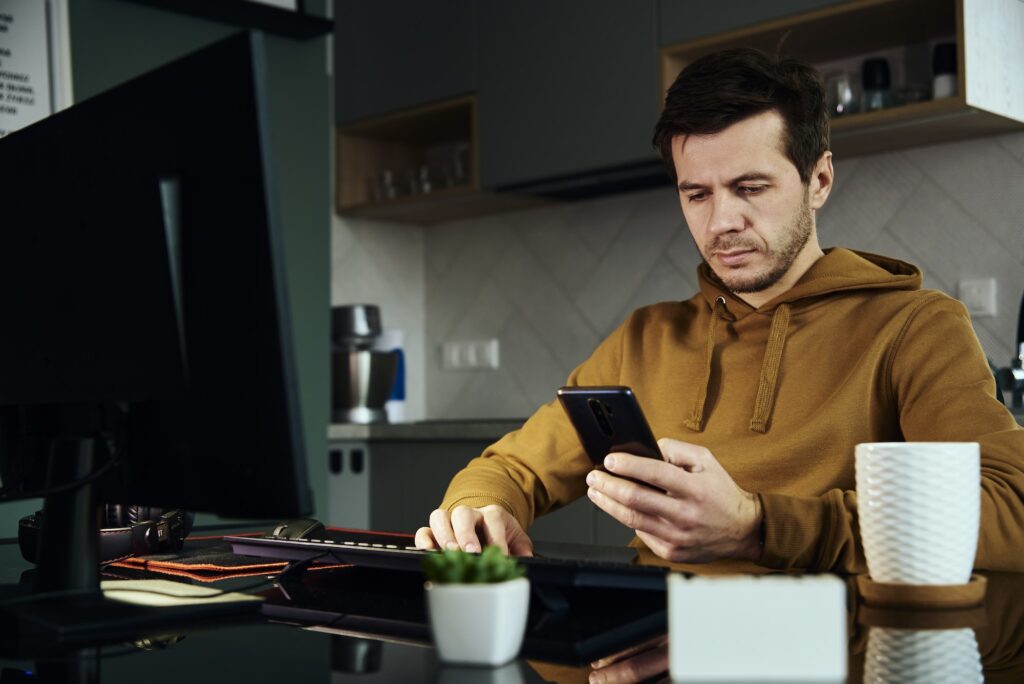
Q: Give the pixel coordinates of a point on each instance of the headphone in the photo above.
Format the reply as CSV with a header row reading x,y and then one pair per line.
x,y
126,531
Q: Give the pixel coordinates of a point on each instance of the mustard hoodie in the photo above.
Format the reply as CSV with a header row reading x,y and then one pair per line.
x,y
855,352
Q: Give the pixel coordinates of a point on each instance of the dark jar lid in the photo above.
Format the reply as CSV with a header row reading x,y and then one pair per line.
x,y
875,74
944,58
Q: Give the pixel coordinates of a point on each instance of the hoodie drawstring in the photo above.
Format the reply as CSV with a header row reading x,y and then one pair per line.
x,y
696,421
766,386
768,382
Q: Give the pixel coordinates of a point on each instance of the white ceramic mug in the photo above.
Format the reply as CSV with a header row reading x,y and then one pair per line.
x,y
919,505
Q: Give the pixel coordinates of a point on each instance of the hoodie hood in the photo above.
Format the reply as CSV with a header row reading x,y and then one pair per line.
x,y
839,270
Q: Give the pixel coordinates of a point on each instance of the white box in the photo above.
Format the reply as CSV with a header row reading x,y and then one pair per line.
x,y
757,629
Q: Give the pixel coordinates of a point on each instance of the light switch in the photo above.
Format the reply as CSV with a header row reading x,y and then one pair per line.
x,y
470,355
979,296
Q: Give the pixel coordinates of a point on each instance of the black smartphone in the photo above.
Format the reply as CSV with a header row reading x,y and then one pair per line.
x,y
608,419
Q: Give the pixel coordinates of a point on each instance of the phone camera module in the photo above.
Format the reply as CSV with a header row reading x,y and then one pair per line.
x,y
601,415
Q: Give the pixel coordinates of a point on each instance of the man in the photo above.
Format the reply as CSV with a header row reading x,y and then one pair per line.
x,y
762,383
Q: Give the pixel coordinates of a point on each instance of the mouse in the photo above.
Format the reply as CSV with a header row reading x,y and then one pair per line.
x,y
300,528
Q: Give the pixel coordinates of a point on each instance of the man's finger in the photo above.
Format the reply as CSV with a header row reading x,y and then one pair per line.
x,y
661,476
640,667
660,640
690,457
641,498
425,539
441,526
464,523
494,531
631,518
521,546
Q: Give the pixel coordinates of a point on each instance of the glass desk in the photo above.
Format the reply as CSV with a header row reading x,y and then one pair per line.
x,y
352,625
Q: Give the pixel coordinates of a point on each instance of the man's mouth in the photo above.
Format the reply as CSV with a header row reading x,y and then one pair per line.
x,y
734,257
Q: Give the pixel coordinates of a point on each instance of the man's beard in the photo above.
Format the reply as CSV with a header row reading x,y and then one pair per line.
x,y
780,258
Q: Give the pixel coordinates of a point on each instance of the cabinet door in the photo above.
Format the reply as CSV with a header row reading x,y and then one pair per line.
x,y
395,54
565,87
684,20
409,480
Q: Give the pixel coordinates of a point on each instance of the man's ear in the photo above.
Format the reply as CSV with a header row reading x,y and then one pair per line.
x,y
821,181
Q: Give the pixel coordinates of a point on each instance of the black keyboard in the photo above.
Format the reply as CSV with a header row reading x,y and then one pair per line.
x,y
565,565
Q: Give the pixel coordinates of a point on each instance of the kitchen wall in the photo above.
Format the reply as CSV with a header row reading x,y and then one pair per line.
x,y
549,283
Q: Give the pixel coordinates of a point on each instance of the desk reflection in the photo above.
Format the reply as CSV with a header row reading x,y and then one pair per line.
x,y
311,645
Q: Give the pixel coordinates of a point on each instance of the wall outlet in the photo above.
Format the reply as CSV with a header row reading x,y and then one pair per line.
x,y
470,355
979,296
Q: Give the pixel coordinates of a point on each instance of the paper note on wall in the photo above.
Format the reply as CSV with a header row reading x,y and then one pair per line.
x,y
25,75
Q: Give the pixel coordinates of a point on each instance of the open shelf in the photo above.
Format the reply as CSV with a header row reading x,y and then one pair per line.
x,y
418,166
849,32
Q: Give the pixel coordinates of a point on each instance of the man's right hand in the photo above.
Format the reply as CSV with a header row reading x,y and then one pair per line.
x,y
471,529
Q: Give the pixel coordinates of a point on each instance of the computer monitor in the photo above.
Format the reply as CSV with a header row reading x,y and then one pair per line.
x,y
144,309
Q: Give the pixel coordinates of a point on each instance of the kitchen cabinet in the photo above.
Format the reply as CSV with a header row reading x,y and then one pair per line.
x,y
683,20
565,95
392,484
565,88
391,55
989,36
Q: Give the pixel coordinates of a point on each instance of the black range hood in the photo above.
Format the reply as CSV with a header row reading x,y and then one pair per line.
x,y
606,181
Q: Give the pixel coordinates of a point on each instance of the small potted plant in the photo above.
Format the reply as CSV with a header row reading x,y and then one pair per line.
x,y
477,604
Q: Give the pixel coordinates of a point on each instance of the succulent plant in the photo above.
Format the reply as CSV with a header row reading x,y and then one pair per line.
x,y
459,567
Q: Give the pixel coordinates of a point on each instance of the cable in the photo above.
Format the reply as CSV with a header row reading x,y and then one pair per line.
x,y
109,438
114,449
61,489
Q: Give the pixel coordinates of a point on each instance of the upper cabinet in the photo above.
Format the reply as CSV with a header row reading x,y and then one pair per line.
x,y
447,110
988,51
566,88
391,55
683,20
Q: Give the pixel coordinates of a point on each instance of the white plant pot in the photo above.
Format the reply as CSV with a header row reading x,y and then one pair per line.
x,y
478,624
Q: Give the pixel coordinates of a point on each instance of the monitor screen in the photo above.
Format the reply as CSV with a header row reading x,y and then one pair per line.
x,y
142,280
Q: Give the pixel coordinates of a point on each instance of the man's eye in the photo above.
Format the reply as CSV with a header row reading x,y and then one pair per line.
x,y
697,196
751,189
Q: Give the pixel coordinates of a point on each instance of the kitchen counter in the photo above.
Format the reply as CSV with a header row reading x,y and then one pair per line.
x,y
437,430
469,430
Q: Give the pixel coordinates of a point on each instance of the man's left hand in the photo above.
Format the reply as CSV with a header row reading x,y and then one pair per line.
x,y
692,512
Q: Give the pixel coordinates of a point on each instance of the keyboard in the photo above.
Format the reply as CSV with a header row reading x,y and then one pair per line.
x,y
563,565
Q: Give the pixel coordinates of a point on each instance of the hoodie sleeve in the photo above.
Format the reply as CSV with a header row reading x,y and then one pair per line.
x,y
943,391
946,393
541,466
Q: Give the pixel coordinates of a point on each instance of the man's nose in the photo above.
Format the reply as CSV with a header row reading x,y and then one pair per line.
x,y
726,213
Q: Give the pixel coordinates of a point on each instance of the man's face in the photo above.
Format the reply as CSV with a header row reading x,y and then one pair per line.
x,y
747,209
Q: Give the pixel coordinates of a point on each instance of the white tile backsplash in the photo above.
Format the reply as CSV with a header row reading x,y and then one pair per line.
x,y
550,282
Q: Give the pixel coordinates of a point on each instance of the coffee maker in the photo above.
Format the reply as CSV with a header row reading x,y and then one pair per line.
x,y
361,377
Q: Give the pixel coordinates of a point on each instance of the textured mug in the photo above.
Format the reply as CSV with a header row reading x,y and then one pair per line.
x,y
919,506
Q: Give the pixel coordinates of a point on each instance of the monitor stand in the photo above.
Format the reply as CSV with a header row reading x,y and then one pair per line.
x,y
64,610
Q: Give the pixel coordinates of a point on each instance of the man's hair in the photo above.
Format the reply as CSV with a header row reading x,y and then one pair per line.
x,y
720,89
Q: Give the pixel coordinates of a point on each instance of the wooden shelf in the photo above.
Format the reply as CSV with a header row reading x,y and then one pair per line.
x,y
440,137
450,204
986,104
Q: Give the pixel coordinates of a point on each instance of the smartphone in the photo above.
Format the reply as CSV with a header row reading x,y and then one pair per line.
x,y
608,419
